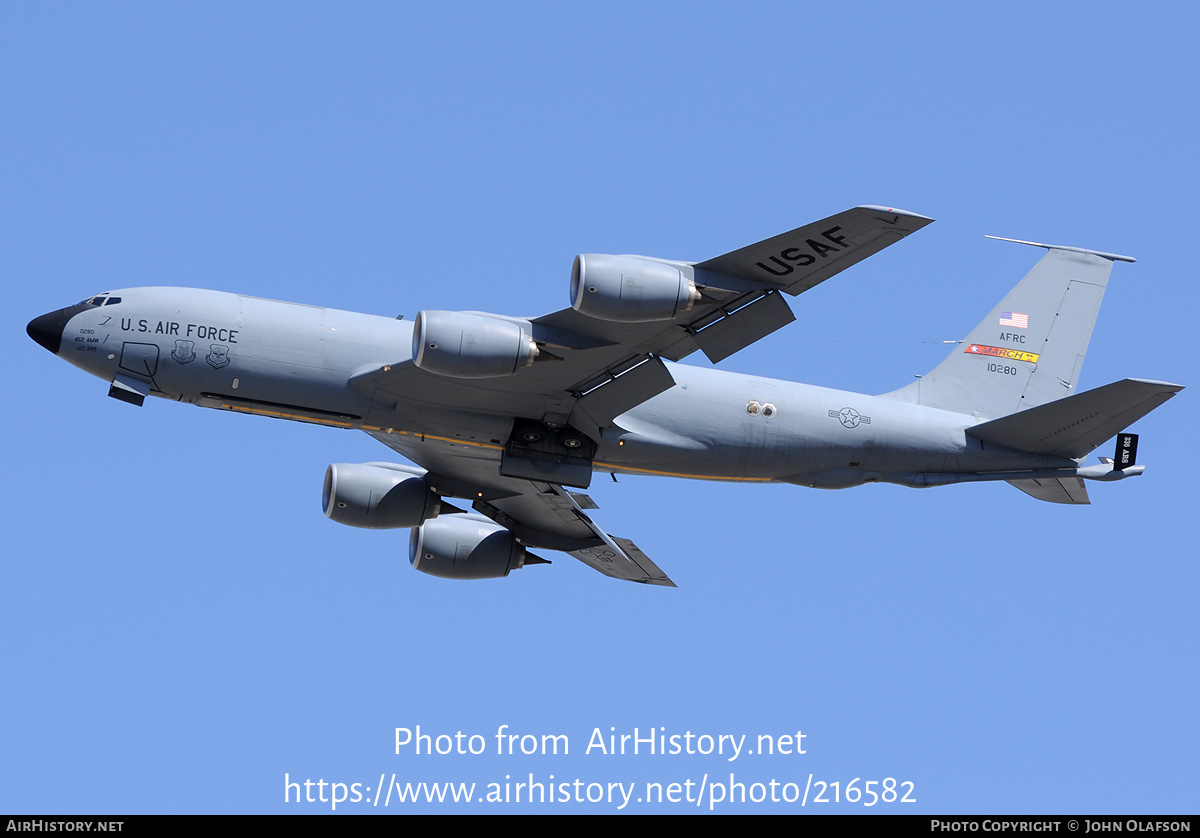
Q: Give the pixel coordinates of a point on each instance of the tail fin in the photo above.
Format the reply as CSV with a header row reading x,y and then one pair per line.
x,y
1029,350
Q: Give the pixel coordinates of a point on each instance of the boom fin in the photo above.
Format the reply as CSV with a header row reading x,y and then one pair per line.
x,y
1029,350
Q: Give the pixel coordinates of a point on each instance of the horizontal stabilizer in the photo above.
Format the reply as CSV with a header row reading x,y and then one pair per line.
x,y
1078,424
1054,489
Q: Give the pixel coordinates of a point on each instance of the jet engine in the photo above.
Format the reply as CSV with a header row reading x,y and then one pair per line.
x,y
378,496
464,546
629,289
461,344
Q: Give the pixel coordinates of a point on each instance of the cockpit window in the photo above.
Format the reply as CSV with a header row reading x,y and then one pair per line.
x,y
97,300
112,301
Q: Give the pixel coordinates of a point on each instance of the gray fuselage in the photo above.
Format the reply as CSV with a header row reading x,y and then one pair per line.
x,y
294,361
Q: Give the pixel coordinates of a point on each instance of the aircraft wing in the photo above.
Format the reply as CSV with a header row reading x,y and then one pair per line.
x,y
592,370
589,371
540,514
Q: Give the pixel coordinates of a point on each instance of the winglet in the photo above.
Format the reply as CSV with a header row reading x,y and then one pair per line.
x,y
1112,256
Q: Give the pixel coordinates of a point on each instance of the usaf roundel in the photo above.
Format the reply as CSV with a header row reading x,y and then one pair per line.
x,y
849,417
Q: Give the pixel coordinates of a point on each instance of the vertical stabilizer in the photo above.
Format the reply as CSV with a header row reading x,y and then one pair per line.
x,y
1029,350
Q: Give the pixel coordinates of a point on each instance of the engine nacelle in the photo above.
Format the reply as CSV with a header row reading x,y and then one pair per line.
x,y
629,289
461,344
378,496
464,546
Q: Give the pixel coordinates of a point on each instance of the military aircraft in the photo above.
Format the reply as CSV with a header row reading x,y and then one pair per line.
x,y
506,412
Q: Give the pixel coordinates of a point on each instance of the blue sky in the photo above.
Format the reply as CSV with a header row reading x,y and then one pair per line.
x,y
183,628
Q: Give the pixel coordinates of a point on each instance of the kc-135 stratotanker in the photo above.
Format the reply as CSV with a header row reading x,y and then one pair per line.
x,y
505,413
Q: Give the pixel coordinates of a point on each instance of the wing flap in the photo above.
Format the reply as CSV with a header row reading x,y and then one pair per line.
x,y
742,327
615,395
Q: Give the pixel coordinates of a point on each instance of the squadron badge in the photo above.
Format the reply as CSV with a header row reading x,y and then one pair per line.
x,y
218,356
184,351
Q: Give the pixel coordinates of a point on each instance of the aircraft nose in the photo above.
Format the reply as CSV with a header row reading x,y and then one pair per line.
x,y
48,329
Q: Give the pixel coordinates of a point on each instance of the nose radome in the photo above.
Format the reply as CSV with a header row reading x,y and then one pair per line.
x,y
48,329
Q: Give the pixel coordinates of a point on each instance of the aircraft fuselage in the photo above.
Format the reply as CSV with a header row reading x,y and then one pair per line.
x,y
508,412
293,361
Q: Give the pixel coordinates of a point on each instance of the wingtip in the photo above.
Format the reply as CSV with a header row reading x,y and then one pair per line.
x,y
1165,385
896,211
664,582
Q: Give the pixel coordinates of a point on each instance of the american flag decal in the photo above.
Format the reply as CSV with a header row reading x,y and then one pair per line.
x,y
1014,320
